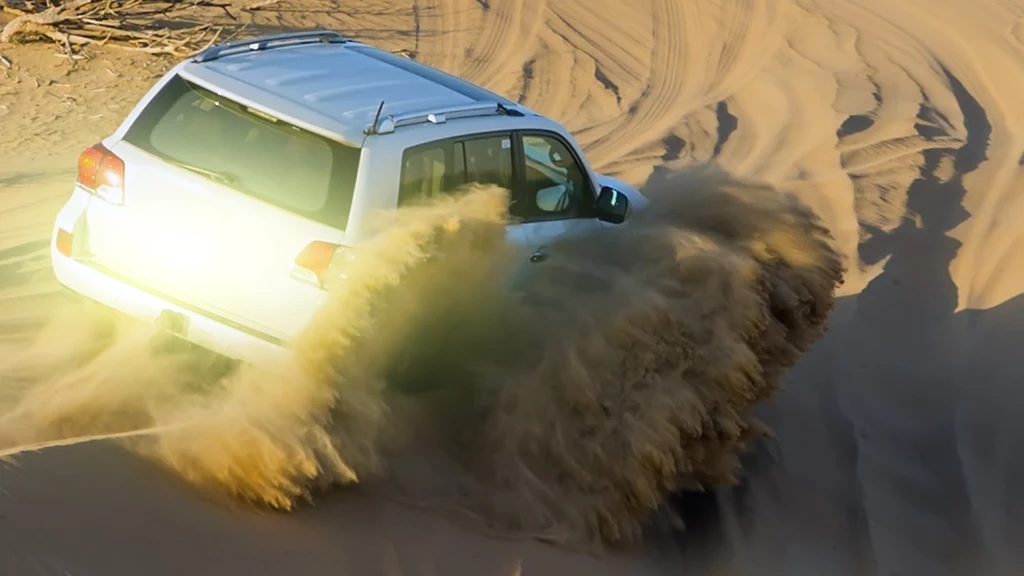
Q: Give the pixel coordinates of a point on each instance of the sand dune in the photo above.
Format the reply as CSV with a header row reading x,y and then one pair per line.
x,y
898,123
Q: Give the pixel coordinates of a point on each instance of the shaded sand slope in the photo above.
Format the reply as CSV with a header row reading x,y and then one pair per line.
x,y
899,122
894,437
97,510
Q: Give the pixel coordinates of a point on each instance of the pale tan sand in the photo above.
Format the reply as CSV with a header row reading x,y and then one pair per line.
x,y
899,436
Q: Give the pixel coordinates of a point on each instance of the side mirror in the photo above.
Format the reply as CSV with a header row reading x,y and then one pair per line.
x,y
612,206
553,199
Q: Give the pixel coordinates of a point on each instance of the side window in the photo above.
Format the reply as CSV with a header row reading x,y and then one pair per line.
x,y
554,184
487,160
443,167
424,171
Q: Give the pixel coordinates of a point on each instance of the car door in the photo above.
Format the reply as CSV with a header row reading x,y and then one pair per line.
x,y
553,195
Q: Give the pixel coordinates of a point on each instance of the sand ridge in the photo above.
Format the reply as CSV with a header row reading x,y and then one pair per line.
x,y
897,122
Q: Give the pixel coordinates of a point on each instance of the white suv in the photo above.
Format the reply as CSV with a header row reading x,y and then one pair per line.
x,y
222,198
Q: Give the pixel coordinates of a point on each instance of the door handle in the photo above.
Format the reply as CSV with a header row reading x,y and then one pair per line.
x,y
540,255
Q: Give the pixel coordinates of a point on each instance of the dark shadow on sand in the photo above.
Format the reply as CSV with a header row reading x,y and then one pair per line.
x,y
898,438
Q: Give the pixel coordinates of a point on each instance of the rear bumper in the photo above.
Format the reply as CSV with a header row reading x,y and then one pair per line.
x,y
84,279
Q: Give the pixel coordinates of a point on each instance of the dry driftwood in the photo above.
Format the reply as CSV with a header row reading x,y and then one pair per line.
x,y
263,5
173,27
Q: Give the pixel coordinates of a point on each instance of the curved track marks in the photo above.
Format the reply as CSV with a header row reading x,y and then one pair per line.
x,y
856,106
627,76
899,123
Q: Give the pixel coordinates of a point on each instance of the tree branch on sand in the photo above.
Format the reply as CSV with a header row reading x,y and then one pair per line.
x,y
175,27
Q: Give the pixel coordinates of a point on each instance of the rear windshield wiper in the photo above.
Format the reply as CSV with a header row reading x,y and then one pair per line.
x,y
221,177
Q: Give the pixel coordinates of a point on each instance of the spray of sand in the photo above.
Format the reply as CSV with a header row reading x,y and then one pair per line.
x,y
576,393
627,366
268,434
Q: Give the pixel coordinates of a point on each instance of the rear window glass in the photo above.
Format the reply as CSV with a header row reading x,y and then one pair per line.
x,y
248,151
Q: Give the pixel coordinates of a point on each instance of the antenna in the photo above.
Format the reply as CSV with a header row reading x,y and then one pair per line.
x,y
372,128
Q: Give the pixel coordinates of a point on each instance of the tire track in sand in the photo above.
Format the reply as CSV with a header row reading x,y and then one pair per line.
x,y
485,43
659,104
700,55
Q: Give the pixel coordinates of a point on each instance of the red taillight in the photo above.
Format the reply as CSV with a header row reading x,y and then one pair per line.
x,y
64,241
101,172
315,259
89,165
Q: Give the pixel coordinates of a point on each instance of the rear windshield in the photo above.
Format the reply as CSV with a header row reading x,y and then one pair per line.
x,y
251,152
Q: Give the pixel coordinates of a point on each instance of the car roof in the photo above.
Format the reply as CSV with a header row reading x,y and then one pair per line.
x,y
338,86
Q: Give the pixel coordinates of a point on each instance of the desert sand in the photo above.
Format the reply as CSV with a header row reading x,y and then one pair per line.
x,y
896,435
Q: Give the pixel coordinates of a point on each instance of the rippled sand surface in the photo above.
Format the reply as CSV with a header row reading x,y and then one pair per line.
x,y
897,122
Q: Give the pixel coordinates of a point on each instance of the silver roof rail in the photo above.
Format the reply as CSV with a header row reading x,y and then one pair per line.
x,y
268,42
388,124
